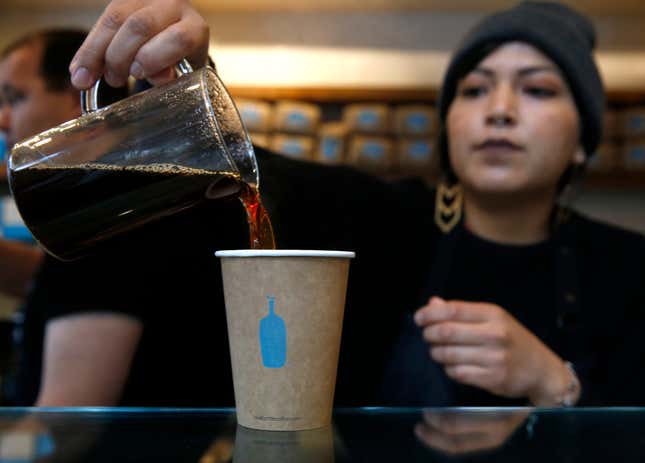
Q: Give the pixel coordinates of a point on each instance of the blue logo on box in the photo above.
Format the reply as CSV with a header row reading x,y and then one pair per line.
x,y
293,148
11,225
297,120
636,123
417,122
330,149
637,154
368,119
373,150
420,151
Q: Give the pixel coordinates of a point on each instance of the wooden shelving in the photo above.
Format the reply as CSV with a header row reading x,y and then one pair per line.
x,y
393,95
335,96
614,179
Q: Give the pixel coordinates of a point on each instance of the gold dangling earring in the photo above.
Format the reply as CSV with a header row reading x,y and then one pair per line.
x,y
448,206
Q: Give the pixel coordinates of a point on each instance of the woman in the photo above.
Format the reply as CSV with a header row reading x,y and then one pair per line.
x,y
521,300
520,286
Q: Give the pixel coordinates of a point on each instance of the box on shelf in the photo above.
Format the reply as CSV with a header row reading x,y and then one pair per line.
x,y
415,120
374,153
634,155
296,117
367,118
605,158
11,225
331,143
260,139
633,122
293,146
415,153
257,115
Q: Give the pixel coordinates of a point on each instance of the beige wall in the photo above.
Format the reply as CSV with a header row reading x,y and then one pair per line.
x,y
391,49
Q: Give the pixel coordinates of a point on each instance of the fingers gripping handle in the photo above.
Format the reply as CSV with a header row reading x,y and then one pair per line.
x,y
89,97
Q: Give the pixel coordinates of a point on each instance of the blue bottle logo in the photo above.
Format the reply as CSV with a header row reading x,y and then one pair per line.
x,y
273,338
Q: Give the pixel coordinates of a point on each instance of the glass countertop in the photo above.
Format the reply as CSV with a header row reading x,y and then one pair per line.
x,y
357,435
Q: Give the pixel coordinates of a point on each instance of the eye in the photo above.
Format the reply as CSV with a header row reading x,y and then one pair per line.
x,y
539,91
14,98
472,91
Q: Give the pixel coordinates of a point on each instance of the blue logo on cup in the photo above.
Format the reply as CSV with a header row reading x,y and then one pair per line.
x,y
273,338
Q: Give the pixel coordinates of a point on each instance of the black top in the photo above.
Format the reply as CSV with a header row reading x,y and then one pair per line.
x,y
165,274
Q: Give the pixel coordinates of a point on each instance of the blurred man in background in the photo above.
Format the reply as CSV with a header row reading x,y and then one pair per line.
x,y
35,95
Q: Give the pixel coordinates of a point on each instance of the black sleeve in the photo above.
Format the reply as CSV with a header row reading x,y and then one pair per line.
x,y
613,283
103,283
626,365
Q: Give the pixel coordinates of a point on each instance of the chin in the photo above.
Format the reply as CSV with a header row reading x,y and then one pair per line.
x,y
495,180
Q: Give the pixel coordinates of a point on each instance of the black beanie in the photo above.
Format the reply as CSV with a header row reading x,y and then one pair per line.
x,y
561,33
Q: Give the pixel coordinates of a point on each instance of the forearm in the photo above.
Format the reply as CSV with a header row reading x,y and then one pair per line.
x,y
87,358
18,265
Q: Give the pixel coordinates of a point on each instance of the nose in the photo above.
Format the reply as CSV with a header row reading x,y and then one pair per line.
x,y
502,107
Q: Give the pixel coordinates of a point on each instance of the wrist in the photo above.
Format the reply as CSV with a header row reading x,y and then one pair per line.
x,y
559,389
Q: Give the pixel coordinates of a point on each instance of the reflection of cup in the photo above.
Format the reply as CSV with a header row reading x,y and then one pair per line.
x,y
284,312
311,446
24,446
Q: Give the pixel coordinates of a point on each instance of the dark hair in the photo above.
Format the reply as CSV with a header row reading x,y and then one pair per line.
x,y
58,48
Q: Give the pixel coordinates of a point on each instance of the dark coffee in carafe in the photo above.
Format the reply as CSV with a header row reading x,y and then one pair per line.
x,y
73,209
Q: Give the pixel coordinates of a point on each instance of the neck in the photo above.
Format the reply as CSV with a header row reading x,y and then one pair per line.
x,y
520,219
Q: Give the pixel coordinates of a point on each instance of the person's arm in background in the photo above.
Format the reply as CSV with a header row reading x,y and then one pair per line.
x,y
20,262
87,356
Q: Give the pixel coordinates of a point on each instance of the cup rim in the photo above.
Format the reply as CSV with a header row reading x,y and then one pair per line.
x,y
284,253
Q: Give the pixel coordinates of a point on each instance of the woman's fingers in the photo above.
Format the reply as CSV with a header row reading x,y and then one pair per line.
x,y
472,375
465,333
438,310
471,355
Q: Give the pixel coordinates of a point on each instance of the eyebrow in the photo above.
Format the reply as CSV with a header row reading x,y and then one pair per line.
x,y
522,72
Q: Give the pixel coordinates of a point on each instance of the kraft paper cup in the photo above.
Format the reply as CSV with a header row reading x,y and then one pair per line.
x,y
284,311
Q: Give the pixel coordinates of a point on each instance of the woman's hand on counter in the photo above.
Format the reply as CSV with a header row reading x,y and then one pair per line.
x,y
482,345
142,38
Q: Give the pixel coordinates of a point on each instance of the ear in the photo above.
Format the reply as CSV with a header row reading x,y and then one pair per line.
x,y
579,156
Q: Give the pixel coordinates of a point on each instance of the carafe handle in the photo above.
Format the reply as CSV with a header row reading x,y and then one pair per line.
x,y
89,97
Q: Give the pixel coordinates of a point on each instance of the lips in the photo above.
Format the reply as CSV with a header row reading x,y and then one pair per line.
x,y
497,144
